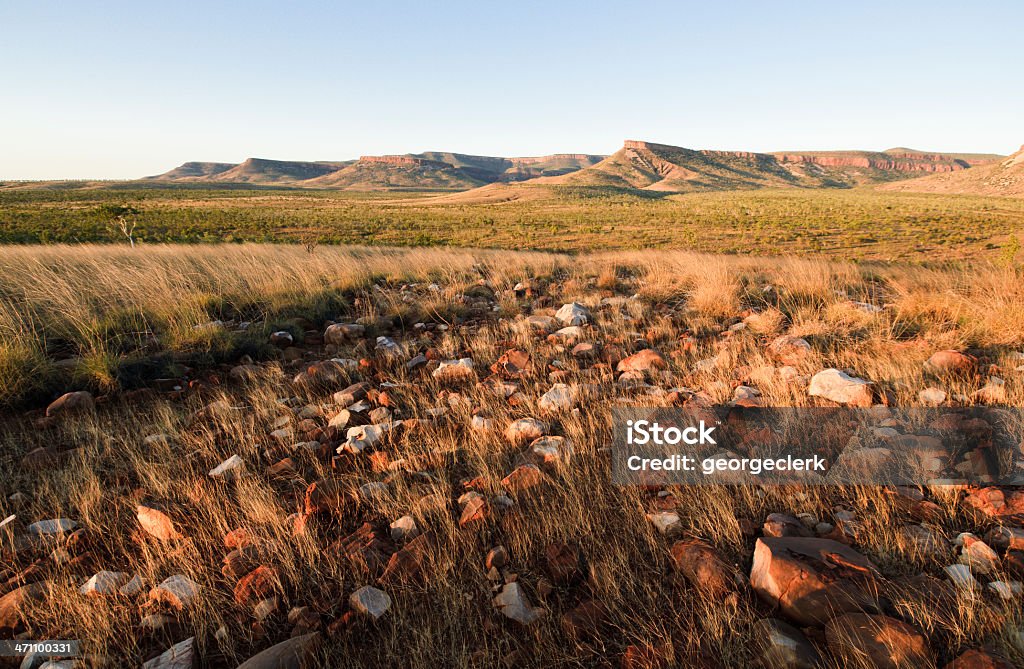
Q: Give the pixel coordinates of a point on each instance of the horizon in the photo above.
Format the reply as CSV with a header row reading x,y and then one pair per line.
x,y
91,100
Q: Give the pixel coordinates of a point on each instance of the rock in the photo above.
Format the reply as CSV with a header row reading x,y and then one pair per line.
x,y
455,371
961,576
978,659
475,510
181,655
932,396
666,522
882,641
328,496
260,583
512,603
294,653
369,601
922,540
51,527
812,579
524,430
978,555
585,620
996,503
281,338
1006,590
573,314
704,568
836,386
71,403
229,470
512,364
950,363
563,561
156,523
14,603
104,583
351,394
523,478
178,592
789,350
561,397
404,529
496,558
132,587
784,525
339,333
781,646
552,450
646,360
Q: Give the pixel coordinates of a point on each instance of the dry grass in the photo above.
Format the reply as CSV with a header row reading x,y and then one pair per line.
x,y
62,301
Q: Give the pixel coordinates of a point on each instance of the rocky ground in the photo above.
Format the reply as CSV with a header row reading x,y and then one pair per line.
x,y
435,490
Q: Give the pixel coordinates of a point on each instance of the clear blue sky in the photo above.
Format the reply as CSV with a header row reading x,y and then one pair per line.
x,y
119,89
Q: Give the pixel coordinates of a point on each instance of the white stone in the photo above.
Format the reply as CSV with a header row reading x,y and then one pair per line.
x,y
104,583
370,601
840,387
559,398
52,526
961,576
512,603
230,469
404,529
573,314
665,521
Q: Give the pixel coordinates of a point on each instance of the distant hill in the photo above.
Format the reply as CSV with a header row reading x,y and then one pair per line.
x,y
396,173
638,165
432,170
1003,177
661,167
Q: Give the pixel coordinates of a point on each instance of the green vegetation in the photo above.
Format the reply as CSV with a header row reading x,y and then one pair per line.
x,y
851,223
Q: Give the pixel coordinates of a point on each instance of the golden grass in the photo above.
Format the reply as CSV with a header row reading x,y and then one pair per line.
x,y
163,292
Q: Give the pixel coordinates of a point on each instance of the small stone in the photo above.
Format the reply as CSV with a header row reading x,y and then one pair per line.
x,y
404,529
229,470
370,601
178,591
104,583
512,603
573,314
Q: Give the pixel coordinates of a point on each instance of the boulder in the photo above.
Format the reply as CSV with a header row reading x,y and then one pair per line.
x,y
883,642
71,403
293,653
811,580
839,387
181,655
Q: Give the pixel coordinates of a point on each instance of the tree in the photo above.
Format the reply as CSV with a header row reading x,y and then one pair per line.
x,y
125,219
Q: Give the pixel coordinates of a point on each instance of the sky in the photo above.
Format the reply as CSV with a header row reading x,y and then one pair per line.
x,y
113,90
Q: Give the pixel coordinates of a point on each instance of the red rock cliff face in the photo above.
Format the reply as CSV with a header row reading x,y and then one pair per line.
x,y
894,162
402,161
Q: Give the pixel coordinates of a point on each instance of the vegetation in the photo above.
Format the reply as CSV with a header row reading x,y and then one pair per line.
x,y
110,305
851,224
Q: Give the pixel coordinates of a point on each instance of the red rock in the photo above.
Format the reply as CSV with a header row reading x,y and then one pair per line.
x,y
14,603
475,511
237,538
883,642
644,657
704,568
952,363
257,585
512,364
585,620
784,525
811,579
410,563
240,561
978,659
369,548
156,522
642,361
328,496
497,558
563,561
71,403
523,478
997,503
